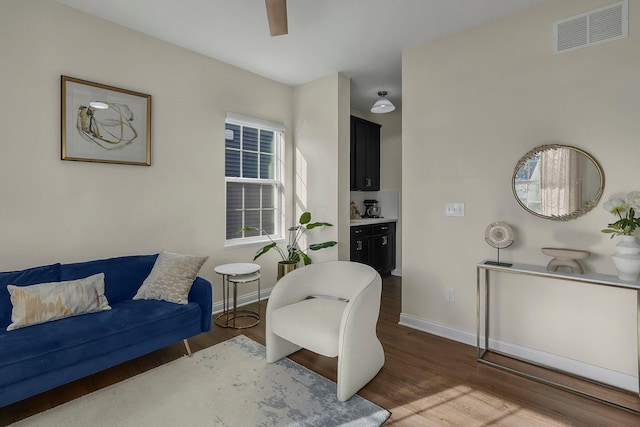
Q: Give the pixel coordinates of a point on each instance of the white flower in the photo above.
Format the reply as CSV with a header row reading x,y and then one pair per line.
x,y
633,200
615,206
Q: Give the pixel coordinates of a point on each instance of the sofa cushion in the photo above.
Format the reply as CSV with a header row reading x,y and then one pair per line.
x,y
56,300
36,350
30,276
171,277
122,275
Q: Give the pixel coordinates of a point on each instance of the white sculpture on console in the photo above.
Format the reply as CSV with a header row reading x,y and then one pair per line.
x,y
566,258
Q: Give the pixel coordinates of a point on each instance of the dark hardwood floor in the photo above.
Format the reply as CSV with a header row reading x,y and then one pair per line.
x,y
426,380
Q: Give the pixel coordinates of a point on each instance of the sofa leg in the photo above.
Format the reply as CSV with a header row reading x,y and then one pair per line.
x,y
186,345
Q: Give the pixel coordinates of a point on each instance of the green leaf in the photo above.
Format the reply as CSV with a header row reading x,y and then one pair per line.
x,y
264,250
305,218
318,246
245,229
306,258
318,224
292,249
294,253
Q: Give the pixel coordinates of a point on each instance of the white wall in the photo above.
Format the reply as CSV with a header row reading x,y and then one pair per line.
x,y
321,136
344,167
473,104
66,211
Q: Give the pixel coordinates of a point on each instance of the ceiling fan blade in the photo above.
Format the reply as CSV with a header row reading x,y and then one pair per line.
x,y
277,15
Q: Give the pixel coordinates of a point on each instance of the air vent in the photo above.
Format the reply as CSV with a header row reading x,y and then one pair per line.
x,y
590,28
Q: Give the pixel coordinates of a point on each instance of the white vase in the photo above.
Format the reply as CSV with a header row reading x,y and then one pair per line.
x,y
627,258
627,246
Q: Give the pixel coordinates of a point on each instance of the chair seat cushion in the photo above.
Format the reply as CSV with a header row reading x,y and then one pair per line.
x,y
313,324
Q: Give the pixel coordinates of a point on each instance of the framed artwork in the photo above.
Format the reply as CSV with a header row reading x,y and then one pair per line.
x,y
105,124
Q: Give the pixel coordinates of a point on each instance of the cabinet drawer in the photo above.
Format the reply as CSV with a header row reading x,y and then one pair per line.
x,y
385,228
360,231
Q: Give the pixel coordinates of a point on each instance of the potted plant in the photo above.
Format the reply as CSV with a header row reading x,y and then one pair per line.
x,y
293,254
625,210
627,256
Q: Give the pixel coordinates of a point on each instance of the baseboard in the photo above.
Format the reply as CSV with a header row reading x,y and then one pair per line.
x,y
598,373
396,272
243,300
438,329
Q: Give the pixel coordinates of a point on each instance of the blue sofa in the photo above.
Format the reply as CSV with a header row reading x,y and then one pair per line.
x,y
41,357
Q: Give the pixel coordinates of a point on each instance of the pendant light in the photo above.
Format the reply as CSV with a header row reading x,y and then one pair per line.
x,y
382,105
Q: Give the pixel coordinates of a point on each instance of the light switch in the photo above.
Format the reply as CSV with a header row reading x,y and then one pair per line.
x,y
454,209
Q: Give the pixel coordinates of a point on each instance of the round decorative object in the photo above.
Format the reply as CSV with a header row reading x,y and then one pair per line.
x,y
499,235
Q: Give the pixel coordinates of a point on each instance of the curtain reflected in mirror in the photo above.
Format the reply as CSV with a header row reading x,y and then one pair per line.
x,y
558,182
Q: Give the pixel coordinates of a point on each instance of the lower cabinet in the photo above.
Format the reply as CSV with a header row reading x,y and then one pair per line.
x,y
361,244
375,245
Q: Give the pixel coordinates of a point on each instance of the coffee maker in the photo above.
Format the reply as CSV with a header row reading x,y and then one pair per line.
x,y
371,209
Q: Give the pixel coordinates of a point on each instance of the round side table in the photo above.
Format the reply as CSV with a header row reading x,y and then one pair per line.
x,y
235,274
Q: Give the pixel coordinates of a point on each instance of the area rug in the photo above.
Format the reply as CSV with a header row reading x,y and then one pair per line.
x,y
229,384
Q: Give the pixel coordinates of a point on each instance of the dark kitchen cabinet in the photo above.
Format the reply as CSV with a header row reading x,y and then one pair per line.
x,y
361,244
365,155
383,247
375,245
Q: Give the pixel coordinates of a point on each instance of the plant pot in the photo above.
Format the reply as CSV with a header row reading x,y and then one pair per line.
x,y
627,258
285,267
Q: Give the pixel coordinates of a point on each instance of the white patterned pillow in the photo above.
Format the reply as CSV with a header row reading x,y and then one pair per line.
x,y
171,277
56,300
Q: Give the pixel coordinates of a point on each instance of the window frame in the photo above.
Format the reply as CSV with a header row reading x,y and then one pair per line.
x,y
277,180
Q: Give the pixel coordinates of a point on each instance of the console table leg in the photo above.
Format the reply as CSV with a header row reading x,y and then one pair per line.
x,y
478,313
486,308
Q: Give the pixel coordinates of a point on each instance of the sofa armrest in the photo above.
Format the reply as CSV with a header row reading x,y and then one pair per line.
x,y
202,293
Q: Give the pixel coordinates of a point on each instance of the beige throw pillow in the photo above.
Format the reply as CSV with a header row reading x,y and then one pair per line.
x,y
56,300
171,277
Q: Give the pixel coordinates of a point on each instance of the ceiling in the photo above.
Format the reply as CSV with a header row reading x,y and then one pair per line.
x,y
362,39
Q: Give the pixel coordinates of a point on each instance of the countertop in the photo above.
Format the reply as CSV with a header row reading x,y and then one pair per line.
x,y
368,221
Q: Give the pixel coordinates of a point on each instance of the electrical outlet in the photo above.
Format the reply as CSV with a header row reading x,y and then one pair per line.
x,y
454,209
450,295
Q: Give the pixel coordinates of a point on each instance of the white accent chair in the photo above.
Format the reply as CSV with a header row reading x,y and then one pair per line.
x,y
329,308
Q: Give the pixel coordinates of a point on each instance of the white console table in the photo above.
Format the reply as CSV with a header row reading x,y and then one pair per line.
x,y
483,271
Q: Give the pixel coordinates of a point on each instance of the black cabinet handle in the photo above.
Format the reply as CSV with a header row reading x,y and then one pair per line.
x,y
368,182
384,240
359,245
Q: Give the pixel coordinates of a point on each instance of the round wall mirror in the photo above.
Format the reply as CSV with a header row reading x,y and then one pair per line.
x,y
558,182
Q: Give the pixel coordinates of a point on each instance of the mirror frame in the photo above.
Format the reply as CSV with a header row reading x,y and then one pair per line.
x,y
575,214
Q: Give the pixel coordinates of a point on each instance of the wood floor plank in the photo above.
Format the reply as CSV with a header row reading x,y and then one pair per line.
x,y
426,381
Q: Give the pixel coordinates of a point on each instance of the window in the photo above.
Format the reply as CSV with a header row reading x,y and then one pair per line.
x,y
252,178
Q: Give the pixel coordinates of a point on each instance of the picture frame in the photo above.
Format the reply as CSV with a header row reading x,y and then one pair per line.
x,y
104,124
